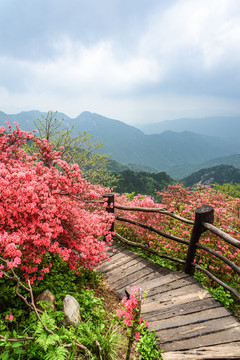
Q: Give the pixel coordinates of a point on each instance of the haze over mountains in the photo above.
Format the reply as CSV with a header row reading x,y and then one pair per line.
x,y
181,147
221,126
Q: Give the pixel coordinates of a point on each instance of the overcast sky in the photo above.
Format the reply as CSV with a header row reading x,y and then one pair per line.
x,y
137,61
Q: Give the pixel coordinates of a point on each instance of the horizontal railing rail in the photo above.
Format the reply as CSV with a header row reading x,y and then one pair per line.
x,y
204,217
160,211
159,232
228,238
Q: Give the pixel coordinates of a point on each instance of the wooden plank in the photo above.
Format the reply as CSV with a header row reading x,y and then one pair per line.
x,y
183,309
118,254
123,270
114,249
223,351
126,271
141,282
151,281
110,266
130,279
159,280
120,279
223,337
183,299
166,296
115,263
115,257
124,267
154,266
175,297
157,267
197,329
176,283
194,318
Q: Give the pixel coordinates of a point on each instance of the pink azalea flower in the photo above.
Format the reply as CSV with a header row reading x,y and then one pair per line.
x,y
137,335
9,317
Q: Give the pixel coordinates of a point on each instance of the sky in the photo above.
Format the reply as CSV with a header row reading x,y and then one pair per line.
x,y
138,61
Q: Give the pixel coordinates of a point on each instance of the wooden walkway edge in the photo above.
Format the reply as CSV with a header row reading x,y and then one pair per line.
x,y
190,324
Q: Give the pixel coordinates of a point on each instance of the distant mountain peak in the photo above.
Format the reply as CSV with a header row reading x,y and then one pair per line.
x,y
85,114
220,126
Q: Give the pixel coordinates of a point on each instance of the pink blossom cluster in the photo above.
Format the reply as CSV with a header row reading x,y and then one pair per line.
x,y
151,219
131,310
44,208
9,317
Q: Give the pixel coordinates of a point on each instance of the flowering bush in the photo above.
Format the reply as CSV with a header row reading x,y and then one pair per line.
x,y
151,219
131,307
44,209
131,314
183,202
226,217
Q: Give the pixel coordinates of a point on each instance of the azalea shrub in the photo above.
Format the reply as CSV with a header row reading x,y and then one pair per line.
x,y
131,314
46,207
151,219
184,201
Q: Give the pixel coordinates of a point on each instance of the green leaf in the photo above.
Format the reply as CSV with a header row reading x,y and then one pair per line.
x,y
5,355
58,353
16,344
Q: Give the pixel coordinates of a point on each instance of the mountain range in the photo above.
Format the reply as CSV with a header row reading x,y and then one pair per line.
x,y
227,127
174,150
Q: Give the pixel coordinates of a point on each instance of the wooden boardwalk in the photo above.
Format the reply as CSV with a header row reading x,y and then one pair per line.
x,y
189,323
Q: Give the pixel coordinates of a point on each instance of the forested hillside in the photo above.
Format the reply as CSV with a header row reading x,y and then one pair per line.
x,y
218,174
116,166
183,170
142,182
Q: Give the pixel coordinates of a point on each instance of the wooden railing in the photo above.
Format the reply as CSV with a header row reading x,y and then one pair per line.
x,y
204,217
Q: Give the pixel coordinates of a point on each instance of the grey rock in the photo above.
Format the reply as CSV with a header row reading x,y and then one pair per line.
x,y
71,309
48,297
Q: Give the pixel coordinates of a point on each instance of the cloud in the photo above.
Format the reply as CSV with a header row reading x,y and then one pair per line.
x,y
80,68
129,60
195,39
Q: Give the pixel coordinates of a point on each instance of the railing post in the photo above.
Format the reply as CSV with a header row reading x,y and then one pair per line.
x,y
110,206
204,213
